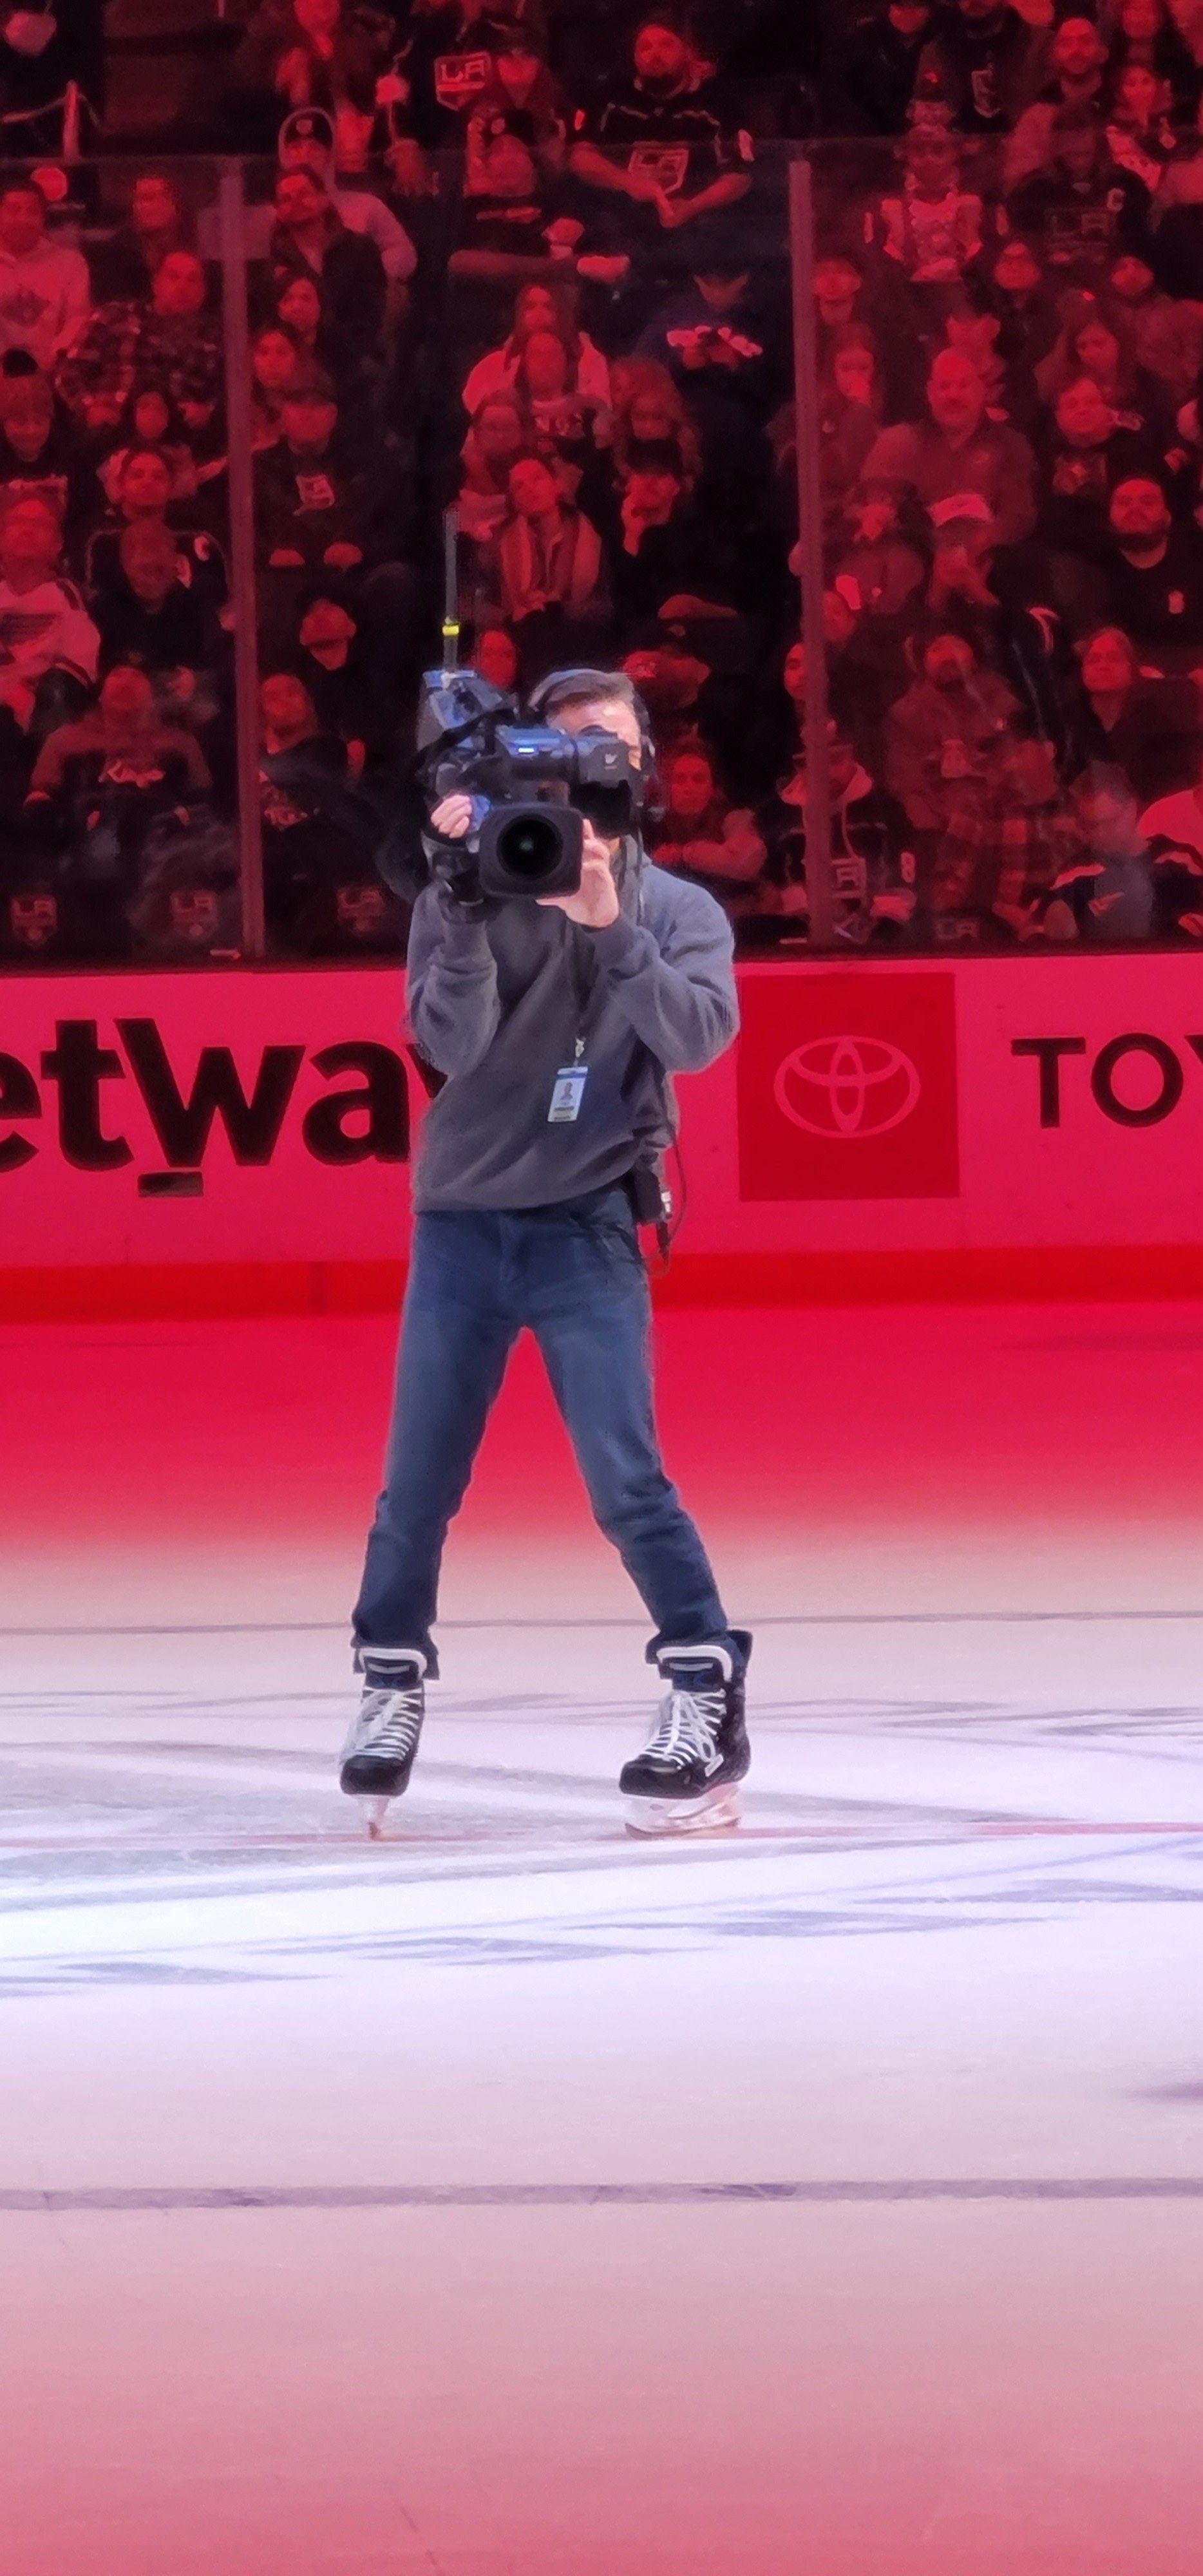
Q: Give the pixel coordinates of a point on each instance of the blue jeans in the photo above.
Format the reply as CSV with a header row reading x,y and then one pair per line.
x,y
574,1274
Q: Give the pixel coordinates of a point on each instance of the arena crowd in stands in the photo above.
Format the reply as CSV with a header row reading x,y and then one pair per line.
x,y
532,262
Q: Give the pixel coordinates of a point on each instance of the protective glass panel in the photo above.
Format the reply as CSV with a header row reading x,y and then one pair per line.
x,y
1010,468
118,814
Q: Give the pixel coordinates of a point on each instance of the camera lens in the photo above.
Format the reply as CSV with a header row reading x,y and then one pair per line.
x,y
530,848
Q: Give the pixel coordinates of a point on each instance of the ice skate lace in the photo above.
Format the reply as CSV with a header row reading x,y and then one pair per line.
x,y
390,1721
687,1726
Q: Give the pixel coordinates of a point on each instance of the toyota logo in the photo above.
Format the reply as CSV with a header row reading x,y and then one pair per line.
x,y
848,1086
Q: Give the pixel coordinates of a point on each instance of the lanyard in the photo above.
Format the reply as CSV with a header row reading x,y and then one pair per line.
x,y
584,985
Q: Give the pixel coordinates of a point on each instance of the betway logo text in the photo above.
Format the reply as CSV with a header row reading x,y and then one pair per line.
x,y
364,1119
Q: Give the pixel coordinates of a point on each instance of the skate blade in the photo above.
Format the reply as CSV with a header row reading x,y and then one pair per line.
x,y
718,1812
375,1810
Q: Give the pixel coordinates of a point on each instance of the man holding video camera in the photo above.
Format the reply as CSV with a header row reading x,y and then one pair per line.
x,y
557,1019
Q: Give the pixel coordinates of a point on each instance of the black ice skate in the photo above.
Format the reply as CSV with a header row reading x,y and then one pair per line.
x,y
378,1755
687,1778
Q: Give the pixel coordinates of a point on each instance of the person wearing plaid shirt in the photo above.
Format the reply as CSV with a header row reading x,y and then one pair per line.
x,y
1001,850
168,338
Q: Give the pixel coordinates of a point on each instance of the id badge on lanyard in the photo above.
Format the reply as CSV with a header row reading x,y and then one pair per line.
x,y
568,1091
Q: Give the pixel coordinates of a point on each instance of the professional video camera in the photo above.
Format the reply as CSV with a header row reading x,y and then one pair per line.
x,y
538,788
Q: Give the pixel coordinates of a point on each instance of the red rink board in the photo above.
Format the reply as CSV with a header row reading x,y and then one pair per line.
x,y
950,1126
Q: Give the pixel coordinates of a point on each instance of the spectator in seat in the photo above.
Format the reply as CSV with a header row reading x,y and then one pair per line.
x,y
144,493
121,756
649,411
976,330
540,306
1139,135
318,835
957,462
298,310
873,863
45,291
180,341
277,358
843,295
847,431
948,730
666,548
688,673
550,565
850,408
545,383
861,686
39,452
867,669
1151,729
930,234
320,508
661,140
150,419
1097,340
170,340
308,141
701,836
495,657
510,227
100,787
1182,184
49,647
872,68
310,241
150,621
721,340
499,434
1077,63
125,266
1155,577
300,54
1107,890
1080,214
1002,846
982,65
1146,31
449,60
1178,214
1089,451
1167,330
521,86
1028,313
1005,603
878,569
342,681
288,720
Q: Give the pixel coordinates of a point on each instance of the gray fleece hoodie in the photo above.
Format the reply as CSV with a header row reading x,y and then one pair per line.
x,y
497,1005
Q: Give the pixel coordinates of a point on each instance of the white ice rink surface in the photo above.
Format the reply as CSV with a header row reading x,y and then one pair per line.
x,y
512,2199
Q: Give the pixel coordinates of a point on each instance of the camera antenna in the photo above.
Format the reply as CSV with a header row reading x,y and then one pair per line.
x,y
450,592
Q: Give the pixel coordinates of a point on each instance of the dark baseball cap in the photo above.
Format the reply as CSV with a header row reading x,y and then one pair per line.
x,y
307,125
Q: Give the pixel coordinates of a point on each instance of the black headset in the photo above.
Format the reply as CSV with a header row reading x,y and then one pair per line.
x,y
581,683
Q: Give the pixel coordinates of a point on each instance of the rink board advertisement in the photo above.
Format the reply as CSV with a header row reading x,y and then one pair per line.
x,y
270,1116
